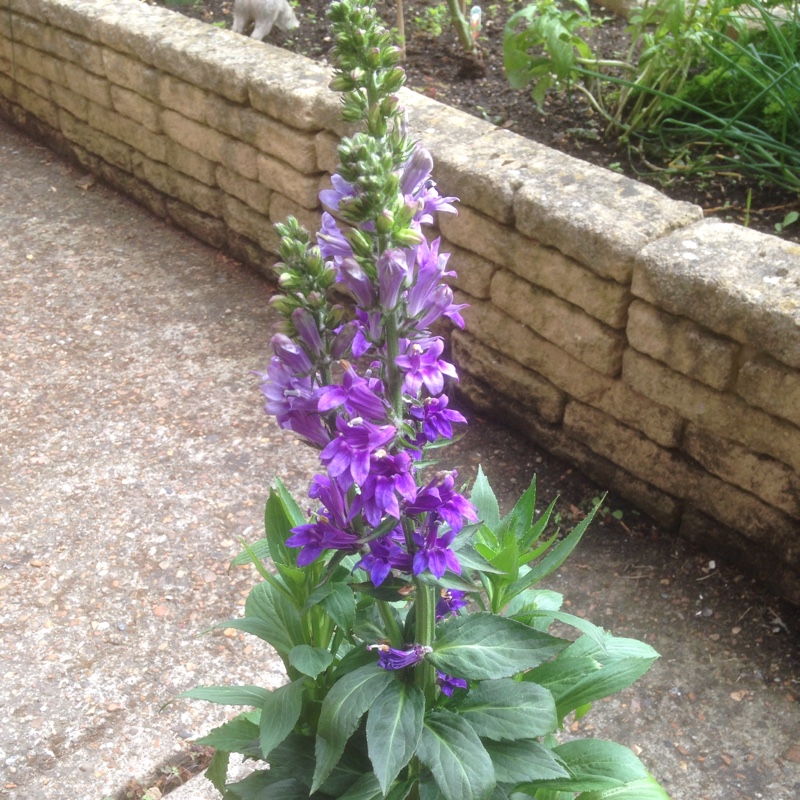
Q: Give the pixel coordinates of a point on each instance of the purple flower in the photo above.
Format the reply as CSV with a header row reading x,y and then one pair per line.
x,y
451,601
434,553
422,365
416,171
332,243
306,327
389,658
440,303
429,271
315,537
347,457
436,417
291,354
354,394
388,476
393,270
343,339
448,684
341,189
438,497
357,281
385,554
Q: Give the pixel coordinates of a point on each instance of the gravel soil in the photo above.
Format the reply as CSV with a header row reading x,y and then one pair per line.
x,y
435,65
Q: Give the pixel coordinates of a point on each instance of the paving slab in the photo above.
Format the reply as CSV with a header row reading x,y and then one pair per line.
x,y
133,456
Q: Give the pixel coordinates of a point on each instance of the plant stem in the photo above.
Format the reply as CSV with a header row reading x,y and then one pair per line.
x,y
425,607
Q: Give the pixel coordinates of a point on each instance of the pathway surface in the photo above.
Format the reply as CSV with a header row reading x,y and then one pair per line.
x,y
134,455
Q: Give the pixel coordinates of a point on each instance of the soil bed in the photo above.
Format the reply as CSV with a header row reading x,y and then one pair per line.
x,y
437,67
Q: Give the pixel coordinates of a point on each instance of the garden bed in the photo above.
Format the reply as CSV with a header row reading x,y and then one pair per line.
x,y
437,67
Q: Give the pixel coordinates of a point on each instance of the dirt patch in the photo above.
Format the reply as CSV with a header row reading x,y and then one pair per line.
x,y
437,67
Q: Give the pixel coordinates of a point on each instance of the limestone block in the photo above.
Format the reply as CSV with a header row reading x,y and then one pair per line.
x,y
76,104
770,385
631,450
123,181
515,340
249,223
37,105
598,217
720,413
128,131
605,300
733,280
108,148
682,344
39,63
191,164
770,480
528,389
93,87
188,100
560,322
175,184
765,526
36,83
77,50
131,74
281,207
473,273
251,193
208,229
31,32
277,175
658,504
270,136
241,158
201,139
327,147
135,107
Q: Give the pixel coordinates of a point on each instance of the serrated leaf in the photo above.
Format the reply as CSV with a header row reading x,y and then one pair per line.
x,y
367,788
524,760
593,765
310,660
281,623
345,704
452,751
527,607
340,603
279,715
505,710
484,646
228,695
519,519
644,789
239,735
217,770
484,500
260,785
394,725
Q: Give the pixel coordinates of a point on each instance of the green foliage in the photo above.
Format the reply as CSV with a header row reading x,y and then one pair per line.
x,y
430,20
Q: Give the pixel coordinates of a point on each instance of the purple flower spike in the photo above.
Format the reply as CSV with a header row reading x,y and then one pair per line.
x,y
423,365
384,556
448,684
307,328
434,552
389,658
347,457
357,281
392,272
354,394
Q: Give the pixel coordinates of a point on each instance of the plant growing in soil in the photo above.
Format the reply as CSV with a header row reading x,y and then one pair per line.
x,y
408,617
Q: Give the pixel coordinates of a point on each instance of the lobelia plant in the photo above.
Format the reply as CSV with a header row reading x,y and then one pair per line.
x,y
407,616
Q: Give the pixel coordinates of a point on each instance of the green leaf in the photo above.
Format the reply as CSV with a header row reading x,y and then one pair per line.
x,y
368,788
217,770
561,675
394,725
527,607
261,784
281,623
259,549
593,765
340,603
524,760
279,715
643,789
310,660
506,710
228,695
519,519
239,735
484,646
345,704
485,502
451,749
277,526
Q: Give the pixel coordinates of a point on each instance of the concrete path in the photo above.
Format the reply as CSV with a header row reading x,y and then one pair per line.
x,y
133,456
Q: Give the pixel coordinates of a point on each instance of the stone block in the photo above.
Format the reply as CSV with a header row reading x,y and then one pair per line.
x,y
326,145
270,136
528,389
77,50
135,107
93,141
39,63
277,175
562,323
515,340
126,130
76,104
682,345
185,98
723,414
630,449
131,74
240,158
204,198
473,273
202,226
605,300
768,479
93,87
41,108
249,223
248,252
280,207
141,192
201,139
191,164
595,216
735,281
35,83
770,385
251,193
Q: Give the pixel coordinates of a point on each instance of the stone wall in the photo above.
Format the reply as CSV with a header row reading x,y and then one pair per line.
x,y
658,352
